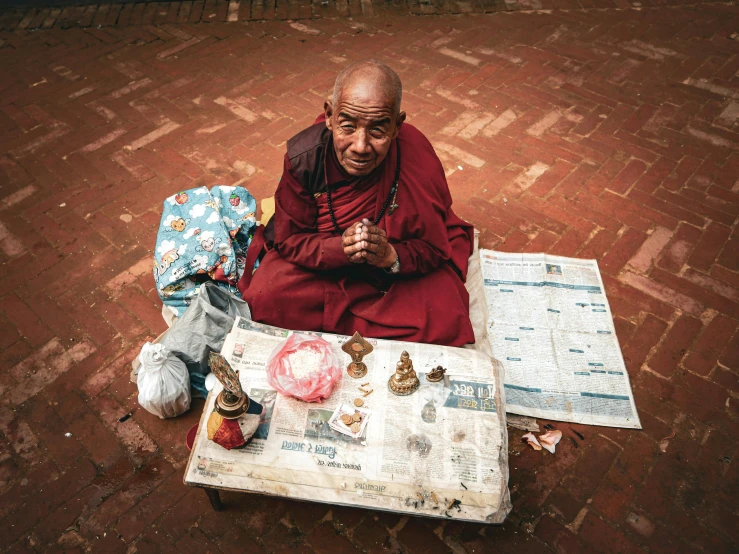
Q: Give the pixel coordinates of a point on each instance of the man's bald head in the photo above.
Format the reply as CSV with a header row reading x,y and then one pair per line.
x,y
370,71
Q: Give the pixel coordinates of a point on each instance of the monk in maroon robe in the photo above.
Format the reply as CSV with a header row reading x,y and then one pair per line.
x,y
364,236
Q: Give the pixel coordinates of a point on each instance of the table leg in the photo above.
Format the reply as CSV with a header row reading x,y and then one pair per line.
x,y
215,499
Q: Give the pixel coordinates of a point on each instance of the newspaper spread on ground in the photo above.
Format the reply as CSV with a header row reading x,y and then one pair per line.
x,y
441,451
550,325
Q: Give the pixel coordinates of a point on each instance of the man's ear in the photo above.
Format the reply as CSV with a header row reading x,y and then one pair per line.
x,y
328,110
399,122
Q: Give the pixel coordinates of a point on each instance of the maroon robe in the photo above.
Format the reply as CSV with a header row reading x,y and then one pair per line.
x,y
305,281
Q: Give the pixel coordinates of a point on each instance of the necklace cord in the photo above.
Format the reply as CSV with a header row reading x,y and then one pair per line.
x,y
390,196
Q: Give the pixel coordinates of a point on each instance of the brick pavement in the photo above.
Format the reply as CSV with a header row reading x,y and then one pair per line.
x,y
606,133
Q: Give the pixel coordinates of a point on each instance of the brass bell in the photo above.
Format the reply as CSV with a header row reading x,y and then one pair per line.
x,y
232,401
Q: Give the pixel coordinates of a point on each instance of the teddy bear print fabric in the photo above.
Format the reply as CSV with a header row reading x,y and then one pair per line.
x,y
203,235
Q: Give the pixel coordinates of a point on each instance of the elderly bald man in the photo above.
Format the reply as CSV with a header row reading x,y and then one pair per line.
x,y
364,237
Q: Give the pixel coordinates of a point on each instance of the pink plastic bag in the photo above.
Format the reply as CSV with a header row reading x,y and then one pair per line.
x,y
310,386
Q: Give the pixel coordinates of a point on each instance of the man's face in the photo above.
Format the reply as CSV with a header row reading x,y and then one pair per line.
x,y
363,124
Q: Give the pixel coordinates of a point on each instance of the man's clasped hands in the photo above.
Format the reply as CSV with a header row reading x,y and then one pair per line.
x,y
364,242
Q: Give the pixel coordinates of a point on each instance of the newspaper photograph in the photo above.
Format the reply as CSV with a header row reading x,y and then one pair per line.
x,y
550,325
439,452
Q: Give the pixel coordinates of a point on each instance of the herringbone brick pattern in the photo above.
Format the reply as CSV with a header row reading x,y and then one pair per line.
x,y
45,14
609,133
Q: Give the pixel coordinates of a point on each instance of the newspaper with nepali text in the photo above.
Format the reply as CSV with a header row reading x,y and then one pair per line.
x,y
439,452
550,325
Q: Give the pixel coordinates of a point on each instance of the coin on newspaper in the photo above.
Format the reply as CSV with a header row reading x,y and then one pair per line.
x,y
356,427
358,402
346,419
357,417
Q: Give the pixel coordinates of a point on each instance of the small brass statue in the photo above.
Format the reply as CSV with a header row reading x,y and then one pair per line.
x,y
357,347
436,375
232,401
404,381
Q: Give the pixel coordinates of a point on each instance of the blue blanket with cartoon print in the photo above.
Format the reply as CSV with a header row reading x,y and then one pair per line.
x,y
203,235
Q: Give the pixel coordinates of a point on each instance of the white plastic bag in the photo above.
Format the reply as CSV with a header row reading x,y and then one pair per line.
x,y
163,381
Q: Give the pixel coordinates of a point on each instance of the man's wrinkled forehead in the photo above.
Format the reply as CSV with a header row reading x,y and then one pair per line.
x,y
367,91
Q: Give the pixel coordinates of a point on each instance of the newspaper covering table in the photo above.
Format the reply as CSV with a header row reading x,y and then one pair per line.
x,y
420,453
550,325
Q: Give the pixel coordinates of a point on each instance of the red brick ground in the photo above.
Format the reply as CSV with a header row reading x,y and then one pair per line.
x,y
598,133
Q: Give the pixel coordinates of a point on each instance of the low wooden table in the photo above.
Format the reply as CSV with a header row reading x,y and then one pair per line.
x,y
214,497
440,452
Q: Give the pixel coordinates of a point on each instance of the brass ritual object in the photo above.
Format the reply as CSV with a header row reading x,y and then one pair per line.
x,y
404,381
232,401
436,375
357,347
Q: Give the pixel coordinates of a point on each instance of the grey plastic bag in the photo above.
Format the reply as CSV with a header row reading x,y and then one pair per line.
x,y
163,382
202,329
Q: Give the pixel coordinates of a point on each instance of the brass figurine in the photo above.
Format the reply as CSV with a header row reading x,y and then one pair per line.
x,y
436,375
404,381
357,348
232,401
